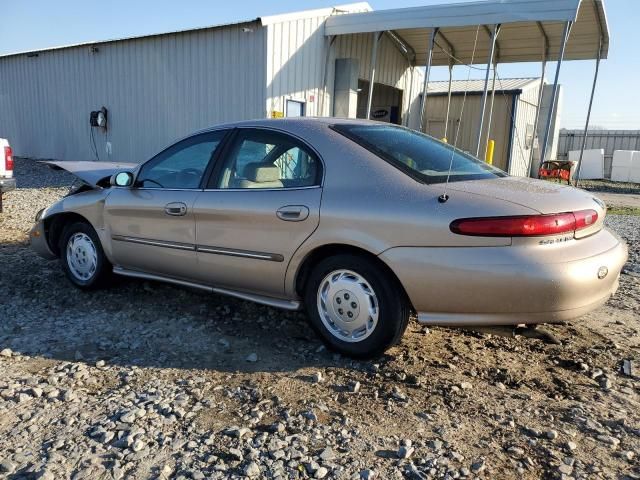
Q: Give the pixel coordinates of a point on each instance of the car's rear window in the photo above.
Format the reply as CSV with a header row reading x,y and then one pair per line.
x,y
418,155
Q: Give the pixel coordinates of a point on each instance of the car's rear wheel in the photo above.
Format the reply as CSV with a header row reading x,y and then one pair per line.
x,y
82,257
357,308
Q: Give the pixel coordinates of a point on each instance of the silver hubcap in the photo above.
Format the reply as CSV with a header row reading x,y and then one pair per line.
x,y
348,306
82,257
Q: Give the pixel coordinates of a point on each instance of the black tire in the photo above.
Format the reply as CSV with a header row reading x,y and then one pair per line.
x,y
103,270
393,308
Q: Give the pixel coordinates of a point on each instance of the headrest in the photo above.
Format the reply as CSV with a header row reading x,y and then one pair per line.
x,y
260,173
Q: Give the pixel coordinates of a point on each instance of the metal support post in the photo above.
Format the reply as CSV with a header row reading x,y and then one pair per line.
x,y
586,125
446,118
492,46
536,121
325,75
493,97
372,70
554,93
423,103
407,117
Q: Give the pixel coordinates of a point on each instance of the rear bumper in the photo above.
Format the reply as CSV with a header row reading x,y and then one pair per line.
x,y
509,285
489,319
7,184
39,241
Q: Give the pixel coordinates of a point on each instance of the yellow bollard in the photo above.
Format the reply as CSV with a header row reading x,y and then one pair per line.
x,y
489,154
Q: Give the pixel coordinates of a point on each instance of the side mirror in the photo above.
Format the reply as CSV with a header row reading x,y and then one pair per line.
x,y
121,179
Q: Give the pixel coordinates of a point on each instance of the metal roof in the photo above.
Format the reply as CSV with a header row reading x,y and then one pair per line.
x,y
320,12
524,25
126,39
477,86
263,21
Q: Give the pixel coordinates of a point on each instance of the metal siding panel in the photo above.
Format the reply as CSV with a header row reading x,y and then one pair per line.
x,y
608,140
300,83
270,59
156,89
525,114
288,61
310,70
275,79
298,62
391,65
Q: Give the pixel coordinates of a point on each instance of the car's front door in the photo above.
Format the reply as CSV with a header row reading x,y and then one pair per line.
x,y
152,223
261,203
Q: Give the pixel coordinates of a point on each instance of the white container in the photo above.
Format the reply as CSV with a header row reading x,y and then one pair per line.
x,y
592,163
634,171
621,165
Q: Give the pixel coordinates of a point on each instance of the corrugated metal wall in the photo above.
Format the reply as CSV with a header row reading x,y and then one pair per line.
x,y
162,87
436,111
609,140
511,147
552,146
156,89
525,117
392,67
297,64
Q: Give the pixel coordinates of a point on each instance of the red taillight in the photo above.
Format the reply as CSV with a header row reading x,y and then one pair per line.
x,y
8,159
525,226
585,218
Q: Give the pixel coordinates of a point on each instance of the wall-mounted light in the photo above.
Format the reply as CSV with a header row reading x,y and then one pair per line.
x,y
247,29
94,49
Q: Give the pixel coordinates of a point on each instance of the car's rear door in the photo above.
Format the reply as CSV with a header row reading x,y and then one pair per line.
x,y
152,224
261,203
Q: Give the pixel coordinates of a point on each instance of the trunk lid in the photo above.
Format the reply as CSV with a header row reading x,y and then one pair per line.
x,y
541,196
544,197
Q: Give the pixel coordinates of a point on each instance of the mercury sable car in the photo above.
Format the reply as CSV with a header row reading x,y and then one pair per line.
x,y
363,223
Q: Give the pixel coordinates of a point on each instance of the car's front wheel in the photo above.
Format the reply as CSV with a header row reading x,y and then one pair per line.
x,y
82,257
355,306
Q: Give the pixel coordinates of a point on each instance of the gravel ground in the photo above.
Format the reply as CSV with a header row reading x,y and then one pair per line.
x,y
610,186
146,380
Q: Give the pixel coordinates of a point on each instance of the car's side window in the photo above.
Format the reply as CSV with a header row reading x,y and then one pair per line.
x,y
267,159
181,165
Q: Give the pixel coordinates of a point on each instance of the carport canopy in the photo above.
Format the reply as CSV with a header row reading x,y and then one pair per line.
x,y
527,29
517,30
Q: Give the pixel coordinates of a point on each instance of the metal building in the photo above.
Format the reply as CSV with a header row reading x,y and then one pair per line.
x,y
608,140
510,122
321,62
160,87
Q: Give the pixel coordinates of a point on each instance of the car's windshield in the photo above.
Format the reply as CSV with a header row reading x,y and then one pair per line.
x,y
420,156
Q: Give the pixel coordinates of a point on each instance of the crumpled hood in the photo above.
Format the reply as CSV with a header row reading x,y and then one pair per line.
x,y
544,197
92,173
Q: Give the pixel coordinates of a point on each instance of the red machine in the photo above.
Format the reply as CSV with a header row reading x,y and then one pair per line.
x,y
556,169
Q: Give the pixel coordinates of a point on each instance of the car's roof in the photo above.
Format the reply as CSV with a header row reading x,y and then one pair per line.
x,y
292,122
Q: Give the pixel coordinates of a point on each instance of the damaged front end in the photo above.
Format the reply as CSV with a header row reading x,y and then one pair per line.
x,y
92,174
83,202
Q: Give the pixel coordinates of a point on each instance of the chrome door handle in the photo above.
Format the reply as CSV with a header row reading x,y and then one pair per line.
x,y
177,209
293,213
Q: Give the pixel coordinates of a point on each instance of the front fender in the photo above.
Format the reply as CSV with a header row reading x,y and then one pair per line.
x,y
87,206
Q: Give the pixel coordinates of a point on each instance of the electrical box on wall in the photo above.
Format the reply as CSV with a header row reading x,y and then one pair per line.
x,y
98,118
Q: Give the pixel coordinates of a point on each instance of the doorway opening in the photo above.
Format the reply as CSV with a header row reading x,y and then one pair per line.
x,y
294,108
386,105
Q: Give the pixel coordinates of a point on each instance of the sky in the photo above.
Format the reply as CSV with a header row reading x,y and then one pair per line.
x,y
34,24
